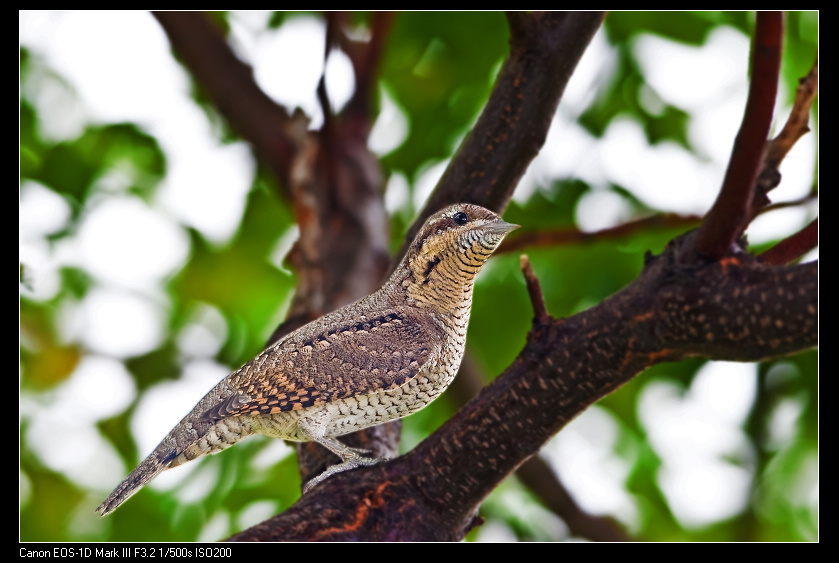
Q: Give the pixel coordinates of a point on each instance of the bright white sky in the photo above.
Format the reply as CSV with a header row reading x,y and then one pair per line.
x,y
121,69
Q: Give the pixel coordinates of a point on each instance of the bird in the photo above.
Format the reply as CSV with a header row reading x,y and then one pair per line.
x,y
383,357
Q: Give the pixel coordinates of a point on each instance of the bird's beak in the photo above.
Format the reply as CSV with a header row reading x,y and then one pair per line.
x,y
502,227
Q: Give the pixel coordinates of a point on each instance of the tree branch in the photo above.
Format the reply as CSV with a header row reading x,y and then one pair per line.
x,y
275,137
556,237
809,198
726,220
535,473
737,309
534,290
365,58
544,51
795,127
794,246
538,476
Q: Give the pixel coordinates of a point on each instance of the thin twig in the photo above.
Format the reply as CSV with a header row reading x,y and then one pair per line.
x,y
544,238
328,43
777,149
807,199
797,124
557,237
794,246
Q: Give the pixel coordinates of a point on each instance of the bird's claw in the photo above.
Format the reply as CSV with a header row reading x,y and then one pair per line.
x,y
341,467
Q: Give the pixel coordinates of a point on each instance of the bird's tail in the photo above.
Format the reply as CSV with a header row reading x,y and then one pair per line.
x,y
158,461
201,432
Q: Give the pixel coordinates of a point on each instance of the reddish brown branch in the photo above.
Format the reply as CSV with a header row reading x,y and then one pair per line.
x,y
538,476
275,137
795,127
727,219
794,246
545,238
365,58
797,124
535,473
558,237
807,199
534,290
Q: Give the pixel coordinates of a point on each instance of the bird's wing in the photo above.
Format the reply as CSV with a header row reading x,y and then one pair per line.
x,y
350,359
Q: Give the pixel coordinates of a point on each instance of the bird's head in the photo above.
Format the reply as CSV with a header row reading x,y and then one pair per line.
x,y
453,245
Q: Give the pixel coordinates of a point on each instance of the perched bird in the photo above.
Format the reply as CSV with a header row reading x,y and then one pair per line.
x,y
381,358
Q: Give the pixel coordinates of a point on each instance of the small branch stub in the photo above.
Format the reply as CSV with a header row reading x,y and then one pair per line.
x,y
534,289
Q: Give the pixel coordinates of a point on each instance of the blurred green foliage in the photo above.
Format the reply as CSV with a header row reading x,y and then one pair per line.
x,y
439,68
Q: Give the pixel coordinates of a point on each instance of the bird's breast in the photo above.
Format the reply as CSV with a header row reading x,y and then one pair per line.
x,y
354,413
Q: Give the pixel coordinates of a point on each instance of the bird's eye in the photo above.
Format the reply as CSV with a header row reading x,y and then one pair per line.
x,y
460,218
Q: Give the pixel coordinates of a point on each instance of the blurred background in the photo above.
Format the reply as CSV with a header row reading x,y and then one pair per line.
x,y
152,264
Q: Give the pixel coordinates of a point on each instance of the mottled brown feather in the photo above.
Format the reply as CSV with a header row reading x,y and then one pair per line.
x,y
352,359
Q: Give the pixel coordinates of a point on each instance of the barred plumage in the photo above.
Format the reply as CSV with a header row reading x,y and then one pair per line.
x,y
380,358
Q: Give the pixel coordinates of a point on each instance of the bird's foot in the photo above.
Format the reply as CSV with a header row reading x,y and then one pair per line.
x,y
351,463
361,452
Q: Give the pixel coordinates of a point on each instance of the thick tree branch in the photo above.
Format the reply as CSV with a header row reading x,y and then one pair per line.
x,y
727,219
536,474
544,51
